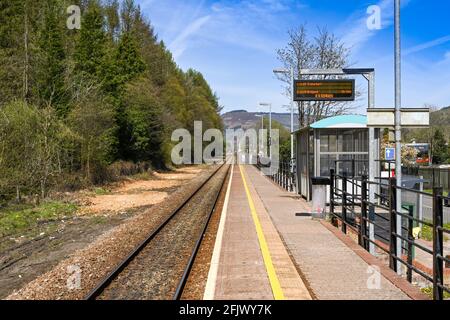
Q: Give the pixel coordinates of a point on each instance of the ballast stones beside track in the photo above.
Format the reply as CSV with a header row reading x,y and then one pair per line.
x,y
99,258
156,271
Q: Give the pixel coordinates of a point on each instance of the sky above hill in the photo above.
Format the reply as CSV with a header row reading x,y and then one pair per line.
x,y
234,44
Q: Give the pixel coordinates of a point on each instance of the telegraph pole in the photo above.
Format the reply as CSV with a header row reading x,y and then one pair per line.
x,y
292,120
398,128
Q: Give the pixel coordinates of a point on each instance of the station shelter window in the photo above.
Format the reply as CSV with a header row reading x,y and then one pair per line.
x,y
346,151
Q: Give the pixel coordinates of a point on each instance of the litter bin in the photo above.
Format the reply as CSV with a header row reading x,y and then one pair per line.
x,y
319,196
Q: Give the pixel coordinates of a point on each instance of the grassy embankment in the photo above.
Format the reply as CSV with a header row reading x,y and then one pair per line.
x,y
16,219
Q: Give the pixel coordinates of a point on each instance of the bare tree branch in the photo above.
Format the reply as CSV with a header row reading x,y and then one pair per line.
x,y
325,51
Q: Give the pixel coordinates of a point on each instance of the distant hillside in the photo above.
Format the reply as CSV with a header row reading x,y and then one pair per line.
x,y
438,119
243,119
441,117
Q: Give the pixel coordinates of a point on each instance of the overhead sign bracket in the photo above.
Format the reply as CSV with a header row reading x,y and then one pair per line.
x,y
410,118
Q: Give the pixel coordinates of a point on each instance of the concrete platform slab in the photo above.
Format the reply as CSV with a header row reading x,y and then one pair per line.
x,y
243,270
331,269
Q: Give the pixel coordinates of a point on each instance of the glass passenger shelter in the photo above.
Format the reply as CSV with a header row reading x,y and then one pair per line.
x,y
340,143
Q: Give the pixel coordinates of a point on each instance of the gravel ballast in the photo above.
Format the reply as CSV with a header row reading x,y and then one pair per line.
x,y
73,278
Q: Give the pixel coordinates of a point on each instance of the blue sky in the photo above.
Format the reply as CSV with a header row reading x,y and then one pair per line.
x,y
234,43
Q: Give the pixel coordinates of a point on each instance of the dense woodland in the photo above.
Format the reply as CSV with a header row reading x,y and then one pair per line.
x,y
80,106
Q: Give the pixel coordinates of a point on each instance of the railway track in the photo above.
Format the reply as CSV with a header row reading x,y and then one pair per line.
x,y
158,268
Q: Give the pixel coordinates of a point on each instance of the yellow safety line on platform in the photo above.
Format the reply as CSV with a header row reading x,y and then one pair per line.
x,y
273,278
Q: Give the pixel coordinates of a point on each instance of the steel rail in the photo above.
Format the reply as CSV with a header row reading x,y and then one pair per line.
x,y
181,285
97,291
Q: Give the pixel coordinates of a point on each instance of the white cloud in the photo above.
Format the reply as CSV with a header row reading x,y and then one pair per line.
x,y
447,55
246,24
428,45
418,48
355,28
179,44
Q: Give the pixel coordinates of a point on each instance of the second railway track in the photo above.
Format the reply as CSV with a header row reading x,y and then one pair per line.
x,y
158,268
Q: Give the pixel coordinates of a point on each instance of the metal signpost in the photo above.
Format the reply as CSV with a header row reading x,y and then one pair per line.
x,y
374,139
398,124
390,154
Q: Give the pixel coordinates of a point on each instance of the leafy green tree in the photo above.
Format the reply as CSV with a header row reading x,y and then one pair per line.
x,y
202,103
92,121
284,135
31,142
144,115
11,15
51,66
18,25
90,50
74,101
173,100
128,60
111,10
440,149
128,65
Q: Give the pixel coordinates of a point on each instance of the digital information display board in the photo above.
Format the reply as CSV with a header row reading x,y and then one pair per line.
x,y
324,90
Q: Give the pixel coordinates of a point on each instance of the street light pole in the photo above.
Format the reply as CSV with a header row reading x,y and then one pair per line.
x,y
270,127
261,144
398,132
292,119
292,76
270,130
291,109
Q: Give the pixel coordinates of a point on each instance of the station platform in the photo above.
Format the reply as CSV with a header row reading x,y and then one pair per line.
x,y
264,251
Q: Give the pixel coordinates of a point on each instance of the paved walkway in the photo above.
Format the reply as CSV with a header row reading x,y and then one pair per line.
x,y
254,264
331,269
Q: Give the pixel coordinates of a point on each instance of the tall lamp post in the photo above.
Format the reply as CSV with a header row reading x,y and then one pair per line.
x,y
291,73
264,104
291,109
398,132
261,144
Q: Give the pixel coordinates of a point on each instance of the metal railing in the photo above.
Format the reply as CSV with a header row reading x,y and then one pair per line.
x,y
433,176
352,167
361,215
284,176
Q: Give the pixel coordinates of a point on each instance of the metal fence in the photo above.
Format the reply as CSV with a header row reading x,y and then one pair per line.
x,y
434,177
284,176
375,223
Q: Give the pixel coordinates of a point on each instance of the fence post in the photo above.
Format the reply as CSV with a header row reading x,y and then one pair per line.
x,y
286,177
438,244
332,181
344,204
275,175
279,175
353,168
363,220
448,181
434,177
410,244
292,175
393,224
